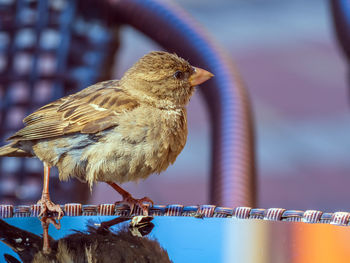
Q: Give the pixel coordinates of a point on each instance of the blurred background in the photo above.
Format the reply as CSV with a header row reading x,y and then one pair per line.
x,y
295,73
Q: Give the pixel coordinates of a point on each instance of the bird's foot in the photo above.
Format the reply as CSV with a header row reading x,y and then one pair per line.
x,y
46,221
132,202
47,206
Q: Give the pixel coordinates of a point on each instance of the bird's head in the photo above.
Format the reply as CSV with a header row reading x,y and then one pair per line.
x,y
164,77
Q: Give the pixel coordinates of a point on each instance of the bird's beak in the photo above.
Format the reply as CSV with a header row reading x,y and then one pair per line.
x,y
199,76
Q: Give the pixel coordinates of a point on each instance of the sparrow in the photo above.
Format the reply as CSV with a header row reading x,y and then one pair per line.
x,y
95,244
114,131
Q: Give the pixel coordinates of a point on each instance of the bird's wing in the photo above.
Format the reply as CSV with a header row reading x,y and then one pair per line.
x,y
91,110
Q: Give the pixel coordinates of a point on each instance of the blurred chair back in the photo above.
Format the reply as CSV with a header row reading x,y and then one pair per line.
x,y
51,48
48,49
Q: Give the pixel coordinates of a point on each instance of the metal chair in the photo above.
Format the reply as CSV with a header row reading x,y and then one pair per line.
x,y
52,48
341,18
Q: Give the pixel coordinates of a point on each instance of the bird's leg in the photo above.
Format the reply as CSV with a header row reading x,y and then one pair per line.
x,y
45,222
46,239
45,202
130,201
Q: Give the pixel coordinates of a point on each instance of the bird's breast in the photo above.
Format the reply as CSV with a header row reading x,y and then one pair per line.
x,y
143,143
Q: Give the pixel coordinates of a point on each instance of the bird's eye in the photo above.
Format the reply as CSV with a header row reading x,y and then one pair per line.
x,y
179,74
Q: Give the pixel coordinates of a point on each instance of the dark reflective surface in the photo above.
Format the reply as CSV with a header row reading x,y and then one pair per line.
x,y
179,239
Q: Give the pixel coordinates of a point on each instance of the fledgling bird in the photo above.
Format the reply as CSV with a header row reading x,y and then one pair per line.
x,y
115,131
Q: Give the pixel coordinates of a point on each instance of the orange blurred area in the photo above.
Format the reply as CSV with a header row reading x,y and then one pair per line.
x,y
261,241
320,243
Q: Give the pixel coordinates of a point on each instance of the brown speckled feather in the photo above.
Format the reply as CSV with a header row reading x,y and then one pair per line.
x,y
89,111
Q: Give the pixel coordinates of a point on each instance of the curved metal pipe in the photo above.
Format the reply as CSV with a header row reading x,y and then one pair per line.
x,y
232,168
341,19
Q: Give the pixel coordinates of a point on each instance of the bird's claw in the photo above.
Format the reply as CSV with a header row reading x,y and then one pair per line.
x,y
47,206
46,221
132,202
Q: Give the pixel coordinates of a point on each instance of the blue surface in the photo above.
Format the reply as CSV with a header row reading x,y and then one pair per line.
x,y
189,239
186,239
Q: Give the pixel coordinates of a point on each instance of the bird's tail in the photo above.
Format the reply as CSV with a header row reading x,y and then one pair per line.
x,y
11,150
